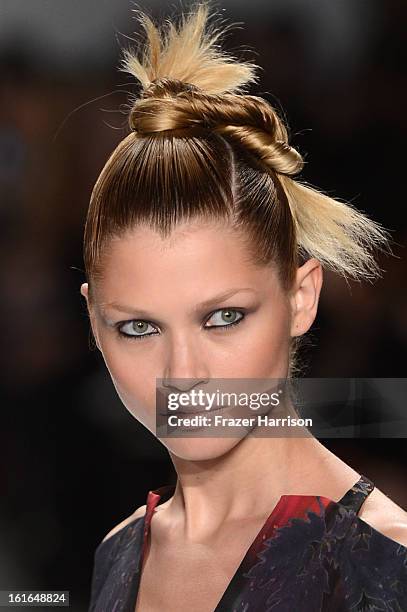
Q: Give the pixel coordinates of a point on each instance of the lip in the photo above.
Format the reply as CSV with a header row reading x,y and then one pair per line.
x,y
194,412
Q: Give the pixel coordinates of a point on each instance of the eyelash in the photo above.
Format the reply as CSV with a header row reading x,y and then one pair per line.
x,y
141,337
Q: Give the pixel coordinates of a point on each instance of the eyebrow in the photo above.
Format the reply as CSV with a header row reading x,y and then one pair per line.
x,y
206,304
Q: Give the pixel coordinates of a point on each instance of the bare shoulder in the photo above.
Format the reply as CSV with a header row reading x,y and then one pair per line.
x,y
140,512
384,515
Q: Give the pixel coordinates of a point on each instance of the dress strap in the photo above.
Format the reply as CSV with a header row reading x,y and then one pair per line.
x,y
354,498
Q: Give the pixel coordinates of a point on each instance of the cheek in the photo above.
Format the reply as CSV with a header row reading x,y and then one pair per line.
x,y
264,351
133,378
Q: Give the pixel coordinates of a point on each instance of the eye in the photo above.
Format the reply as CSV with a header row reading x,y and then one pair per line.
x,y
227,318
137,326
137,329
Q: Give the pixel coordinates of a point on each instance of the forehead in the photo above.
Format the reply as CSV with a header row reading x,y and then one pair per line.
x,y
194,253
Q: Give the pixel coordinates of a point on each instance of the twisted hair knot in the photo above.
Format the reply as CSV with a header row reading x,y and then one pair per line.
x,y
169,104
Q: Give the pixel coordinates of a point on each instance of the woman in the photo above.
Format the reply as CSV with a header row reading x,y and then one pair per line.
x,y
204,260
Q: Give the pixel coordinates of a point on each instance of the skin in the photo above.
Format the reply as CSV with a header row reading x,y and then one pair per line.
x,y
220,480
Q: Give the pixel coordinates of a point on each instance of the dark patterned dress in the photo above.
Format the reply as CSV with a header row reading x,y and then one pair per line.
x,y
312,554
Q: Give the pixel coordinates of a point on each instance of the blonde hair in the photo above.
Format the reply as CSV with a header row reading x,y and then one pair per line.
x,y
201,147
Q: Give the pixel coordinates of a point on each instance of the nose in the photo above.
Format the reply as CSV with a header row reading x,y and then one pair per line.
x,y
182,384
185,367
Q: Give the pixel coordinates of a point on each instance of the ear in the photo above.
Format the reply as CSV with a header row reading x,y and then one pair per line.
x,y
304,296
85,292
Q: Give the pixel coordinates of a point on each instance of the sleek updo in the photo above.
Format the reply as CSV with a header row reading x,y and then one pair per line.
x,y
200,147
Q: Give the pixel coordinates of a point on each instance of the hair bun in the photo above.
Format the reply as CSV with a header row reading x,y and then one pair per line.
x,y
189,82
247,120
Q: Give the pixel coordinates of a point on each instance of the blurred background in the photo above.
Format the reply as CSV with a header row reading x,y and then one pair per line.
x,y
73,461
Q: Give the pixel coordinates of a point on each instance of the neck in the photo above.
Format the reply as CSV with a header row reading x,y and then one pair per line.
x,y
249,479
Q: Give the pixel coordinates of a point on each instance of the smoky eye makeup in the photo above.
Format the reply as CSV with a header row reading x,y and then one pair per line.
x,y
219,320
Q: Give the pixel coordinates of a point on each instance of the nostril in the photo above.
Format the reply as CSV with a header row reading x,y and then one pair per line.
x,y
182,384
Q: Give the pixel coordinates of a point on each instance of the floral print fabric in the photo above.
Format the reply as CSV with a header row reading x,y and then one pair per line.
x,y
311,555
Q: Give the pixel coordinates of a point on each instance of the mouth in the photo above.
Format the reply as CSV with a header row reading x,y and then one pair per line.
x,y
193,412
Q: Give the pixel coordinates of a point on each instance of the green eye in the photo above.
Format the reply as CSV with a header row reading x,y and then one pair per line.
x,y
137,329
138,326
227,317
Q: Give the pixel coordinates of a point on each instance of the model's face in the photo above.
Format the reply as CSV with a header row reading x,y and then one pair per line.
x,y
149,319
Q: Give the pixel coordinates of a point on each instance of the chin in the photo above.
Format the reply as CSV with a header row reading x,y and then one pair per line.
x,y
200,448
